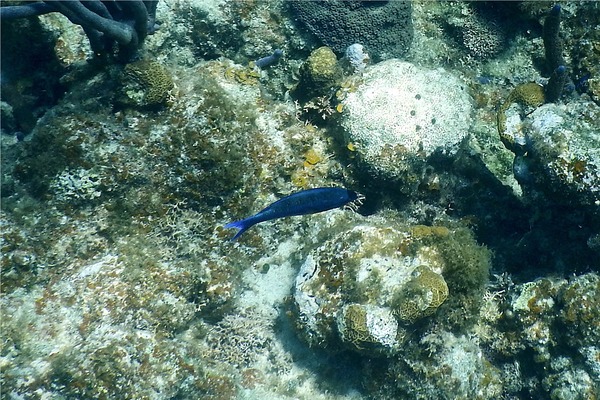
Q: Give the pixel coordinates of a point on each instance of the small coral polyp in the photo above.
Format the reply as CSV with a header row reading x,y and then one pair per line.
x,y
367,288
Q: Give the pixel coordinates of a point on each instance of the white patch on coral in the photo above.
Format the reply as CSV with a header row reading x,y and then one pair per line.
x,y
79,184
93,269
545,120
400,104
394,272
382,325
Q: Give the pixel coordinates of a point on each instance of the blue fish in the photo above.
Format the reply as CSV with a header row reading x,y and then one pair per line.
x,y
269,60
301,203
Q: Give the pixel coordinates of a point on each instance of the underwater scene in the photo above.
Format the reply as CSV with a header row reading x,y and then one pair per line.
x,y
292,199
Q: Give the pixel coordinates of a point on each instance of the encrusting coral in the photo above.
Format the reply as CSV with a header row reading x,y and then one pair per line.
x,y
394,146
384,28
145,84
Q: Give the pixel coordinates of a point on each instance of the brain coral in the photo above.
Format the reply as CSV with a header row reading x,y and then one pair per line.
x,y
383,27
423,294
366,325
145,84
401,114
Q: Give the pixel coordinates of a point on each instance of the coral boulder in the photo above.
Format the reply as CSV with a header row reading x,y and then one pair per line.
x,y
400,115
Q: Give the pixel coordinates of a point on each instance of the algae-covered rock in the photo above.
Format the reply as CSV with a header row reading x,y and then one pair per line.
x,y
581,312
318,74
145,84
563,144
555,323
366,289
400,115
535,308
454,365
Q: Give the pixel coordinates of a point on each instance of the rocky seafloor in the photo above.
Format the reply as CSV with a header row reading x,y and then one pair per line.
x,y
470,271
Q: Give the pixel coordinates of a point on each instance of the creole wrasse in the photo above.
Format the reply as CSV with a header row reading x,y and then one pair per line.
x,y
308,201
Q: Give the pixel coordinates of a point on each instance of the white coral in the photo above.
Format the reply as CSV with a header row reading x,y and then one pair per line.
x,y
402,106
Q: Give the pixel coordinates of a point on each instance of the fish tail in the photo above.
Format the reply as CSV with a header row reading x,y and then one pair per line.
x,y
243,225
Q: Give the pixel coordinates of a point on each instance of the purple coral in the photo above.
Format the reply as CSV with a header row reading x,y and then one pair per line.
x,y
269,60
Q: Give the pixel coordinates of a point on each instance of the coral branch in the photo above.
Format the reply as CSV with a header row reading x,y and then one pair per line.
x,y
25,10
552,41
125,22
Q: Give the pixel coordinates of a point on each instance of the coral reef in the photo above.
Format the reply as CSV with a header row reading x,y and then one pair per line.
x,y
585,54
338,24
454,365
118,279
94,329
579,301
530,94
565,148
426,103
367,288
556,162
543,325
481,37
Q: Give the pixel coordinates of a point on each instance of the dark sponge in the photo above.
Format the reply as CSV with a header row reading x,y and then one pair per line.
x,y
384,28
